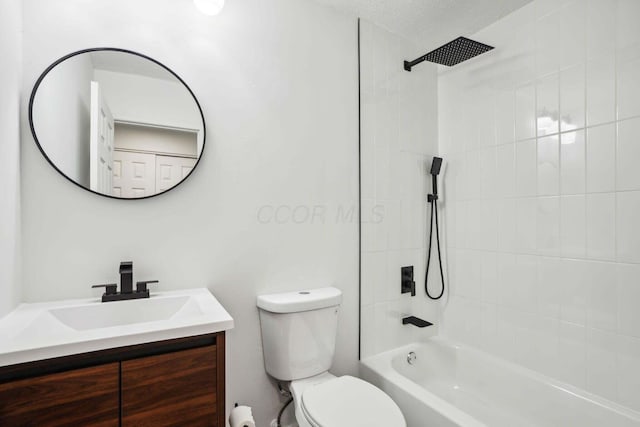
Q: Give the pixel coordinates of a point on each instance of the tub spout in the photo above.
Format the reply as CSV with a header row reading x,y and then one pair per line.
x,y
415,321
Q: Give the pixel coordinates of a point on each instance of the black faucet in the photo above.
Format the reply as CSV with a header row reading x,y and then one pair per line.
x,y
416,321
126,286
126,277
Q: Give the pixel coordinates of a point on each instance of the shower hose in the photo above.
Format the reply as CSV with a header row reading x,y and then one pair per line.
x,y
434,214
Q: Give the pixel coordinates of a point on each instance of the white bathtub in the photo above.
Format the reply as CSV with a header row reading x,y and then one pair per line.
x,y
454,385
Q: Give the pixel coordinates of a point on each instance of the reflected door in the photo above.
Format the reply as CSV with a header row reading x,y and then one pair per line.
x,y
170,170
100,143
134,174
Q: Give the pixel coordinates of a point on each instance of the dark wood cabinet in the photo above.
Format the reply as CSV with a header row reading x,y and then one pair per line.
x,y
170,383
170,389
88,396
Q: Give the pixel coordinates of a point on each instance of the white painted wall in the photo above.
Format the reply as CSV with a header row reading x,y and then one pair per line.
x,y
542,137
62,116
399,138
143,99
149,100
278,84
10,51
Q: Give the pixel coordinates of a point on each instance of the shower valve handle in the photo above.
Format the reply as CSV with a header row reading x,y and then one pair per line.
x,y
407,284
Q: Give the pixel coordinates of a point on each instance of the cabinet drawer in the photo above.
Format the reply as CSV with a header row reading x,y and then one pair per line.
x,y
174,389
81,397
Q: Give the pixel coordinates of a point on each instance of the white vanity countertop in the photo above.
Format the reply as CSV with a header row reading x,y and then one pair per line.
x,y
61,328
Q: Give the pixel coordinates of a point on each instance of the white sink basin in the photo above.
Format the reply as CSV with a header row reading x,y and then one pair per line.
x,y
46,330
105,315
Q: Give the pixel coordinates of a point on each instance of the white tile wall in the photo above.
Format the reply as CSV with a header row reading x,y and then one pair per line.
x,y
547,262
399,138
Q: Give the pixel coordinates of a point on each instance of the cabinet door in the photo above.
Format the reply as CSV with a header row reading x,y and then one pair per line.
x,y
175,389
81,397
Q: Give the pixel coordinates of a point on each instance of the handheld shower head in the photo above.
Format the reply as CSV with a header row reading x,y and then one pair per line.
x,y
436,165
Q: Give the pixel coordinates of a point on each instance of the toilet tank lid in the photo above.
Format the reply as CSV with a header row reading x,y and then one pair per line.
x,y
293,302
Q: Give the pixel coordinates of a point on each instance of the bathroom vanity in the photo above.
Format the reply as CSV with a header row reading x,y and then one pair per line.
x,y
161,372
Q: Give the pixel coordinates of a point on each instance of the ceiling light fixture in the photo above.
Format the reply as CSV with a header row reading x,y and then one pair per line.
x,y
209,7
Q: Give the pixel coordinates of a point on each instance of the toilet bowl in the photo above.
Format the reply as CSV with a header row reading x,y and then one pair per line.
x,y
298,341
329,401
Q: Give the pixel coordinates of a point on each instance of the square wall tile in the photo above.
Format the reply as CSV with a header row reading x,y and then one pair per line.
x,y
526,176
484,119
601,363
573,348
601,24
524,288
374,275
601,90
573,226
526,230
575,291
382,173
601,158
488,172
572,98
505,117
572,33
628,88
628,153
468,274
474,168
525,112
628,299
489,267
548,224
507,276
547,47
368,338
627,30
550,287
506,170
628,226
549,349
549,166
572,162
601,226
488,226
628,375
602,305
367,170
548,105
375,226
507,228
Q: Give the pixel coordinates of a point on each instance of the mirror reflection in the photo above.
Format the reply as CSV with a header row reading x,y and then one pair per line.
x,y
117,123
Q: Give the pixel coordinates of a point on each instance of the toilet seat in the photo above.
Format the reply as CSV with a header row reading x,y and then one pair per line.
x,y
349,401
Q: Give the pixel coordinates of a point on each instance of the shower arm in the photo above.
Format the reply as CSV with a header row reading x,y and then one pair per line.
x,y
410,64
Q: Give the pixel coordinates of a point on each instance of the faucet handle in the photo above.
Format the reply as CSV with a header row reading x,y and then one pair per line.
x,y
110,288
142,286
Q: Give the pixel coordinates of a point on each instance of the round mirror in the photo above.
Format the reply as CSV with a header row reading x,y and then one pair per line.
x,y
117,123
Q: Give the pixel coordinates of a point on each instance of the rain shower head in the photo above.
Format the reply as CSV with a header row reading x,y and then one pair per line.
x,y
452,53
436,165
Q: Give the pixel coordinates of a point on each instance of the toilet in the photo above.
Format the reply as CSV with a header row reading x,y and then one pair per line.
x,y
298,339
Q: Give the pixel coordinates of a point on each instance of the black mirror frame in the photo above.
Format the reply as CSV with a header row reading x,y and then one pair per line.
x,y
113,49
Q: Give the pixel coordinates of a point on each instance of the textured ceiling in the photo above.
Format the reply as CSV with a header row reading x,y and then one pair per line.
x,y
430,23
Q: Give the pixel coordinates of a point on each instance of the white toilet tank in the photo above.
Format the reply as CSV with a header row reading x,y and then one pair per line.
x,y
299,332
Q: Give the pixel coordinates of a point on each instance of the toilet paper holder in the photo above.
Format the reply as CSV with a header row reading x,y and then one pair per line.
x,y
241,416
